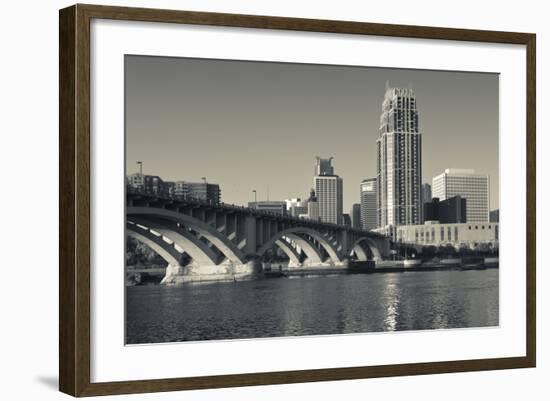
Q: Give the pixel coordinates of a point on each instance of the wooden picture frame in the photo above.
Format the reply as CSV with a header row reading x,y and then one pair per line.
x,y
74,201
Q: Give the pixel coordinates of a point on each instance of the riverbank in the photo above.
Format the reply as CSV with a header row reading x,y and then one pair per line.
x,y
389,266
146,276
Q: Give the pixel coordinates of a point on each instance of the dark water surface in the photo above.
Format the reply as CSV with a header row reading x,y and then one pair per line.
x,y
312,305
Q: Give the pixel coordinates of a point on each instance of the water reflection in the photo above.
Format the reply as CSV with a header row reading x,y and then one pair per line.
x,y
310,306
391,300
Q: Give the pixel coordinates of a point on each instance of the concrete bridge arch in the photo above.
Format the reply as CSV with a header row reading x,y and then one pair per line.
x,y
220,241
296,234
293,255
199,251
362,246
166,251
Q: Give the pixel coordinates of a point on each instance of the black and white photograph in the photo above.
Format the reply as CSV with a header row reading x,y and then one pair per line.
x,y
270,199
275,200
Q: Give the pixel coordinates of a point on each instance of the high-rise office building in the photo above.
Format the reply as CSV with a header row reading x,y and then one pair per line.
x,y
399,160
368,204
355,214
329,192
470,186
323,166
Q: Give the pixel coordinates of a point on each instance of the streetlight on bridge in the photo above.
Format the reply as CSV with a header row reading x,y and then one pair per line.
x,y
255,195
141,179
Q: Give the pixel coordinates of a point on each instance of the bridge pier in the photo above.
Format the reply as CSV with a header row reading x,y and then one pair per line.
x,y
225,271
328,262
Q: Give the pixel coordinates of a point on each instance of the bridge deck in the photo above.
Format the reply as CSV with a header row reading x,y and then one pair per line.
x,y
174,202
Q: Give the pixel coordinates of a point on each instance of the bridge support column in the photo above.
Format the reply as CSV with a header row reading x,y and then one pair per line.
x,y
226,271
172,274
383,245
344,241
250,233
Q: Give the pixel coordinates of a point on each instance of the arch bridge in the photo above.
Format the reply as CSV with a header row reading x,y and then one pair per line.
x,y
203,240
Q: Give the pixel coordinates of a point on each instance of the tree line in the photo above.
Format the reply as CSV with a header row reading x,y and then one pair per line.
x,y
429,252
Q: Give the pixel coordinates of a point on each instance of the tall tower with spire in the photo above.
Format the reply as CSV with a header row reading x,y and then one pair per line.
x,y
399,160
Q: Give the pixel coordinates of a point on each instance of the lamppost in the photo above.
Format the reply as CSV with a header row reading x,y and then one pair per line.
x,y
255,195
206,197
142,181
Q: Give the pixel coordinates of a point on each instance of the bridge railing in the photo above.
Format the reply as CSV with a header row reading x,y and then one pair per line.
x,y
193,201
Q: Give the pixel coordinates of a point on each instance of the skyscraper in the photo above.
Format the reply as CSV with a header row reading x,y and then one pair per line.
x,y
368,204
323,166
399,160
470,186
355,214
329,192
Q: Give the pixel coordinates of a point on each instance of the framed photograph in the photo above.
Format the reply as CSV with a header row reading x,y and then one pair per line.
x,y
250,200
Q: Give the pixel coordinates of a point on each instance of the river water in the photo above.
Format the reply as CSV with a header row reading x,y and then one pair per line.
x,y
312,306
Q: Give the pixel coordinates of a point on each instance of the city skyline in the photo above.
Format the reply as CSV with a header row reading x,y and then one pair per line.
x,y
347,132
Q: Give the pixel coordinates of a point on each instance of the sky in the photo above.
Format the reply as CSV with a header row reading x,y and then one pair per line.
x,y
249,125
